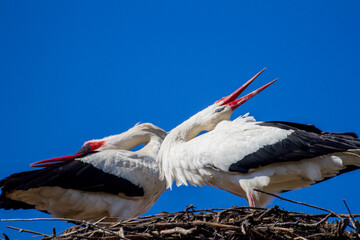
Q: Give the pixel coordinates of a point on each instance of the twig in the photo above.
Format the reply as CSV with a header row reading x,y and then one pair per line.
x,y
72,232
121,232
179,230
277,228
75,221
102,228
280,224
28,231
323,235
318,223
100,220
343,226
216,225
189,207
140,236
300,238
352,219
266,212
301,203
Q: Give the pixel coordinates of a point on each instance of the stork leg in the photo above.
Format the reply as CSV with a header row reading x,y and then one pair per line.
x,y
251,199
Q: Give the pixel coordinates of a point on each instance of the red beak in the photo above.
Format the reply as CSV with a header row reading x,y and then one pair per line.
x,y
86,149
231,99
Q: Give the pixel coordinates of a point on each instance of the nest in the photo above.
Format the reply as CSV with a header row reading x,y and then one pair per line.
x,y
232,223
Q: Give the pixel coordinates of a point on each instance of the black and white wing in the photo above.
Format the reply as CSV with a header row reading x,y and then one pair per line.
x,y
302,142
98,184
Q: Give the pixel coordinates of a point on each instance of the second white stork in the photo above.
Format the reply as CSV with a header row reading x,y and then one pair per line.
x,y
242,155
104,178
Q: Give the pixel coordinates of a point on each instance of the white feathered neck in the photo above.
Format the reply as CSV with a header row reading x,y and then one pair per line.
x,y
145,133
185,169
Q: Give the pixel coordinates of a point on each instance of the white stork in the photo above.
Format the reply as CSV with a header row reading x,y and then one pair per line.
x,y
242,155
104,178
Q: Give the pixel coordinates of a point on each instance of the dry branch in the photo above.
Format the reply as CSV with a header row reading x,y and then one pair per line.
x,y
301,203
352,220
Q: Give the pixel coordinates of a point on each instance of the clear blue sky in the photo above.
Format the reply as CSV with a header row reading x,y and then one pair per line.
x,y
71,71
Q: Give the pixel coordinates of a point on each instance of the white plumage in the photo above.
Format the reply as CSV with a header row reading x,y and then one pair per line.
x,y
242,155
107,180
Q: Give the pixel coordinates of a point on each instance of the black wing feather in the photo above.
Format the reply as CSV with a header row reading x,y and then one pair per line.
x,y
73,174
305,142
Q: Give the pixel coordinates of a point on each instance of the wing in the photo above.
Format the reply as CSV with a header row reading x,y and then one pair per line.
x,y
304,142
77,174
241,145
305,127
139,168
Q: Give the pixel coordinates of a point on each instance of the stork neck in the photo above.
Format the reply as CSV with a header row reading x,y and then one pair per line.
x,y
130,141
152,145
187,130
202,121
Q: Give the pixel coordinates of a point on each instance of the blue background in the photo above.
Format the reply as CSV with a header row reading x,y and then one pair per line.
x,y
72,71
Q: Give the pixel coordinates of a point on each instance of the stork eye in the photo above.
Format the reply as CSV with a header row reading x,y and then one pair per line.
x,y
219,109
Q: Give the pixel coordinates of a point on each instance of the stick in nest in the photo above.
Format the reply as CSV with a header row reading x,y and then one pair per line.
x,y
301,203
28,231
352,219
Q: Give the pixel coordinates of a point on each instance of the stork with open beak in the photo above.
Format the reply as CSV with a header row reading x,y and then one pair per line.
x,y
242,155
104,178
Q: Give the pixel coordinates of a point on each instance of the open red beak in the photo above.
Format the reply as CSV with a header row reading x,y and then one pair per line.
x,y
231,99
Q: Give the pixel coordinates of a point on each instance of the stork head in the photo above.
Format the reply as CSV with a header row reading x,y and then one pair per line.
x,y
137,135
223,108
